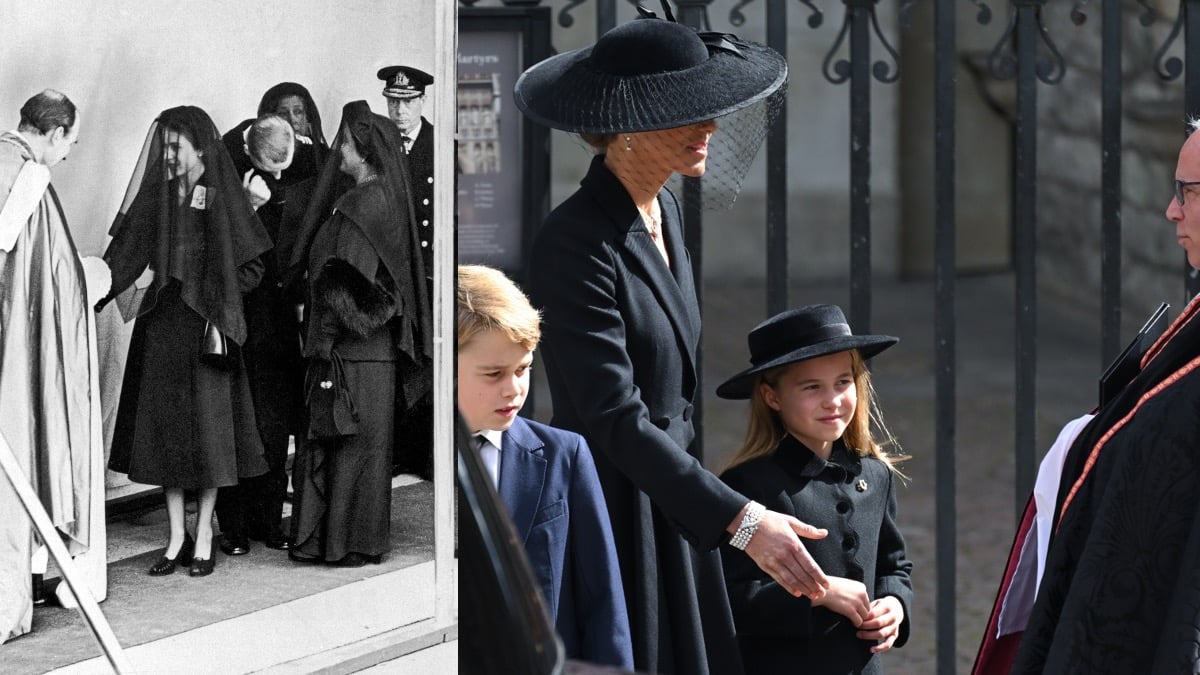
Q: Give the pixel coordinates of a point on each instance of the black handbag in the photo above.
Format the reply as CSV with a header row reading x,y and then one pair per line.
x,y
214,348
331,412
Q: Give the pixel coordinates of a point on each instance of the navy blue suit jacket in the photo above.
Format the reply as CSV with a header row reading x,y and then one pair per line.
x,y
548,482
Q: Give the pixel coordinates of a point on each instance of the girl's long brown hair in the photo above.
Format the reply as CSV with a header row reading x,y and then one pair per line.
x,y
766,429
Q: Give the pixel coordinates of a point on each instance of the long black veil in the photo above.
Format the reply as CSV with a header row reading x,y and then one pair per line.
x,y
392,233
309,157
195,230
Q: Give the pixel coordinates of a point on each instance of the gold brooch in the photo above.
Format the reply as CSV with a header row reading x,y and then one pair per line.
x,y
861,486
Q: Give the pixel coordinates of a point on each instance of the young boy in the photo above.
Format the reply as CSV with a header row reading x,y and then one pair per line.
x,y
545,476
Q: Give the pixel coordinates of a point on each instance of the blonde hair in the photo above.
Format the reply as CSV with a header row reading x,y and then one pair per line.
x,y
488,300
766,429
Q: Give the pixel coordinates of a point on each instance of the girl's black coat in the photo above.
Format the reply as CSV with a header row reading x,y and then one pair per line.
x,y
852,497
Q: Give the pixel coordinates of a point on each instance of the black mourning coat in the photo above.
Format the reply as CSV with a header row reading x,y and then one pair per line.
x,y
1121,588
420,164
852,497
619,340
273,331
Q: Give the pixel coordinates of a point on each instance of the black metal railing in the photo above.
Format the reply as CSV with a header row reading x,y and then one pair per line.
x,y
1017,55
945,344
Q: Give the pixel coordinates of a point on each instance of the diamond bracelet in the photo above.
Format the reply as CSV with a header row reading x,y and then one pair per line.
x,y
748,526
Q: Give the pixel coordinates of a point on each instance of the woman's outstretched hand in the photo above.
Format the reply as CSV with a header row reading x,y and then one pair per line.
x,y
776,548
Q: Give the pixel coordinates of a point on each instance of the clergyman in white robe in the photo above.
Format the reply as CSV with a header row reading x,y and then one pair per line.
x,y
49,388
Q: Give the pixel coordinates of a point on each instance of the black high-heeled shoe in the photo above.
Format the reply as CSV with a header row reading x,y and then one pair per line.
x,y
166,565
202,567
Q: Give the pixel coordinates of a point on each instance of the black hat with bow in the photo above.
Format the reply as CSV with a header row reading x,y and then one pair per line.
x,y
648,74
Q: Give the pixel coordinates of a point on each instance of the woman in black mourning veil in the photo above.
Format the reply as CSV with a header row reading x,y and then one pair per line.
x,y
368,320
185,248
293,102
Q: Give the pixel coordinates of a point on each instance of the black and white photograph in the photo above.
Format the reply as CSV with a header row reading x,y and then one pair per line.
x,y
224,280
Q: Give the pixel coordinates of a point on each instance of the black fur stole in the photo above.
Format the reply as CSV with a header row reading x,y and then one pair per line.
x,y
358,304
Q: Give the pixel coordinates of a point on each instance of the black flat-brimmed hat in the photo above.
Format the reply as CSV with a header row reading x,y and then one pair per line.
x,y
796,335
648,74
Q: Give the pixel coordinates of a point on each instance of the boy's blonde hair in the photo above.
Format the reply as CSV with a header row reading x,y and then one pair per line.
x,y
486,300
766,426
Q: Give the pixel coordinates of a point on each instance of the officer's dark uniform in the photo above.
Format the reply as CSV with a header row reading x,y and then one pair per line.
x,y
413,452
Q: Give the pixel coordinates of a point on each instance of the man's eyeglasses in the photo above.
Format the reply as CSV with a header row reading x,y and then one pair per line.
x,y
1180,185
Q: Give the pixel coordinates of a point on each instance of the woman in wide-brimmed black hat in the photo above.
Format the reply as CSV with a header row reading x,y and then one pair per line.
x,y
611,274
809,450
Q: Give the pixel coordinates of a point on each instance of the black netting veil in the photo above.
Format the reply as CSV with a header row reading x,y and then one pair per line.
x,y
652,85
732,150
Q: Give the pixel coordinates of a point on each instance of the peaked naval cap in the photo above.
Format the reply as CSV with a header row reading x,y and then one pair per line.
x,y
404,81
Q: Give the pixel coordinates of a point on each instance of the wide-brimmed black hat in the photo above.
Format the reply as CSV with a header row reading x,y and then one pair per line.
x,y
648,74
796,335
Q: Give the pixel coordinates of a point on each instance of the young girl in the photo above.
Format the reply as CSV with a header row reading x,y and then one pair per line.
x,y
809,453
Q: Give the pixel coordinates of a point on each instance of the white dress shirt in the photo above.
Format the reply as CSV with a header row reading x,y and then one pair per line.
x,y
412,138
489,450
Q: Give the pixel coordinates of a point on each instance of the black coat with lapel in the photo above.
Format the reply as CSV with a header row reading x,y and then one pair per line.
x,y
620,333
854,498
